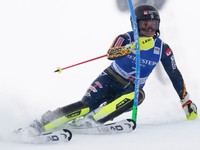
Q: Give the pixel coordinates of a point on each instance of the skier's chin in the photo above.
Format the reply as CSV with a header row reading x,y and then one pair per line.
x,y
148,33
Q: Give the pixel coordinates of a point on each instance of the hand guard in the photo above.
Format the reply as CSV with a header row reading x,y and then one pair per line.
x,y
146,43
117,52
190,108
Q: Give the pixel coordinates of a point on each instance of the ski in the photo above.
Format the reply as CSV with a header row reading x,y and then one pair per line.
x,y
63,135
31,136
123,126
27,136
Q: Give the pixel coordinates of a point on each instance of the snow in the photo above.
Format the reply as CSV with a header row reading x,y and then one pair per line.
x,y
38,36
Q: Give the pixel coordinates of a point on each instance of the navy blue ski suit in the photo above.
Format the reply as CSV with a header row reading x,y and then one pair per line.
x,y
115,80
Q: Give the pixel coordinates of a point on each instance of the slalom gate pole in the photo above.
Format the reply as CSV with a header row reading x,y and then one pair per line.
x,y
137,74
60,69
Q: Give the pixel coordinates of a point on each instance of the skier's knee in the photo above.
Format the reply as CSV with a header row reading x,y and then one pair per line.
x,y
121,104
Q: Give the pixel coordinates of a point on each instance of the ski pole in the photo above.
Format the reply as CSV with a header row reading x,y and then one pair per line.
x,y
137,74
60,69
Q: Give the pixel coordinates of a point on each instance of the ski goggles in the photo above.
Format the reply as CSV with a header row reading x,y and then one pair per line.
x,y
146,25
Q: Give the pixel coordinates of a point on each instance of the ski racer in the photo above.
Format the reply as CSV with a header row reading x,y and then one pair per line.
x,y
112,92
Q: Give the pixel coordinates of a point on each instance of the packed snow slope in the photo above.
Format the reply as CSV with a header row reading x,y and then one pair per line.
x,y
38,36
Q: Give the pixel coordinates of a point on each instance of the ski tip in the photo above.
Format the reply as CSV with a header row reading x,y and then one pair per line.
x,y
70,134
134,123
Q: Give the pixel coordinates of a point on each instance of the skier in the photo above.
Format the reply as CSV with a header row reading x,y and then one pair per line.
x,y
112,93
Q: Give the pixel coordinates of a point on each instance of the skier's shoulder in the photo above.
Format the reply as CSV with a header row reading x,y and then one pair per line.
x,y
163,44
122,39
126,36
166,50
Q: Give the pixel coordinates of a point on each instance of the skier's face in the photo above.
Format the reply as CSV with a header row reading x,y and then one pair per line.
x,y
148,27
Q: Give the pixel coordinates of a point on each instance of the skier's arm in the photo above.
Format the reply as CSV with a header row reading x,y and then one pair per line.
x,y
122,46
118,47
169,64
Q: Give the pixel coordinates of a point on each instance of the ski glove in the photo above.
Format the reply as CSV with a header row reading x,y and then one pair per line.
x,y
146,43
189,108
